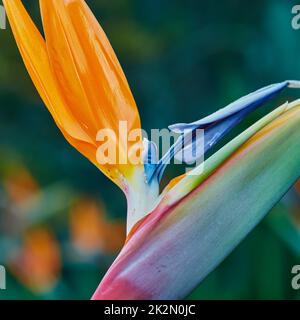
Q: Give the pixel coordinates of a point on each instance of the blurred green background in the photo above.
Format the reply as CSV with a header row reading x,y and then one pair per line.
x,y
60,223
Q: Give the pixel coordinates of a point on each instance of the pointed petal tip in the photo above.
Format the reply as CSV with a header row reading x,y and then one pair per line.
x,y
295,84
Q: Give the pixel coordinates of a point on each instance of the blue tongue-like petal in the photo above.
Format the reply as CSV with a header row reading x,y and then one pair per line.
x,y
211,135
150,157
215,126
250,101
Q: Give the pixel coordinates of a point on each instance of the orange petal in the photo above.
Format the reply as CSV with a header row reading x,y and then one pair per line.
x,y
87,69
33,50
82,84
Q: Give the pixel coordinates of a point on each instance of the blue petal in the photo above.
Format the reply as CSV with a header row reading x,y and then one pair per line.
x,y
150,157
250,102
215,126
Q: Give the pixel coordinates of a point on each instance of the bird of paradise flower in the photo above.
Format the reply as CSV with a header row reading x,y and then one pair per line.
x,y
177,237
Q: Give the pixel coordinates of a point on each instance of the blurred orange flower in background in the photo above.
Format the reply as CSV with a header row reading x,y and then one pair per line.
x,y
37,263
90,230
20,186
